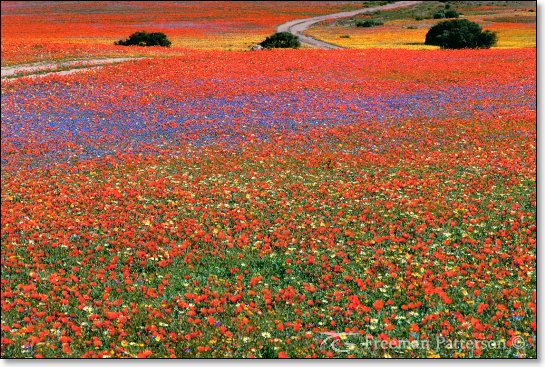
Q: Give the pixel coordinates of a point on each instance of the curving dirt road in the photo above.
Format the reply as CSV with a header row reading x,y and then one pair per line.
x,y
50,68
298,26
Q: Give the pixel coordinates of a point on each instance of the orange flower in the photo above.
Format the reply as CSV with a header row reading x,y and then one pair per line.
x,y
378,304
144,354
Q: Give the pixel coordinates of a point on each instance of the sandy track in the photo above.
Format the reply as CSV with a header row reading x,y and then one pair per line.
x,y
41,69
298,26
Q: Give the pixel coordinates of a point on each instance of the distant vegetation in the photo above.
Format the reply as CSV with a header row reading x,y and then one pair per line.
x,y
448,13
369,23
145,39
372,4
425,10
444,12
460,33
281,40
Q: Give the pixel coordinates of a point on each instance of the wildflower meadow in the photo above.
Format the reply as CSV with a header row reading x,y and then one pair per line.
x,y
206,203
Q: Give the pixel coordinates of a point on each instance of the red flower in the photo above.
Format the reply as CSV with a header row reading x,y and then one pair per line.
x,y
378,304
282,355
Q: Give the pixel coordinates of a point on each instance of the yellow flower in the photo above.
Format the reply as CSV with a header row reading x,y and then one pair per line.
x,y
124,343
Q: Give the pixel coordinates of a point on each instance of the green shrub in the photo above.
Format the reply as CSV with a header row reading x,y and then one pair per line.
x,y
448,12
369,23
441,14
460,33
145,39
422,16
281,40
451,13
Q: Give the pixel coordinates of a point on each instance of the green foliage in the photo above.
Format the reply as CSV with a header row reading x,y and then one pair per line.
x,y
145,39
281,40
369,23
370,4
460,33
449,13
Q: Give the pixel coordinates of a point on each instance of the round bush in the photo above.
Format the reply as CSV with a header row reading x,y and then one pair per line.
x,y
145,39
460,33
451,13
281,40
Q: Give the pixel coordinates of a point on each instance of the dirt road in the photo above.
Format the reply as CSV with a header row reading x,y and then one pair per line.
x,y
298,26
58,68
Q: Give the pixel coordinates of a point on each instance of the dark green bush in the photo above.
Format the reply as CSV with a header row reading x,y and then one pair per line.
x,y
460,33
281,40
145,39
451,13
369,23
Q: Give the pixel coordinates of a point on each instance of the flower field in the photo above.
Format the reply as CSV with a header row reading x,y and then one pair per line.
x,y
42,31
240,204
513,21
